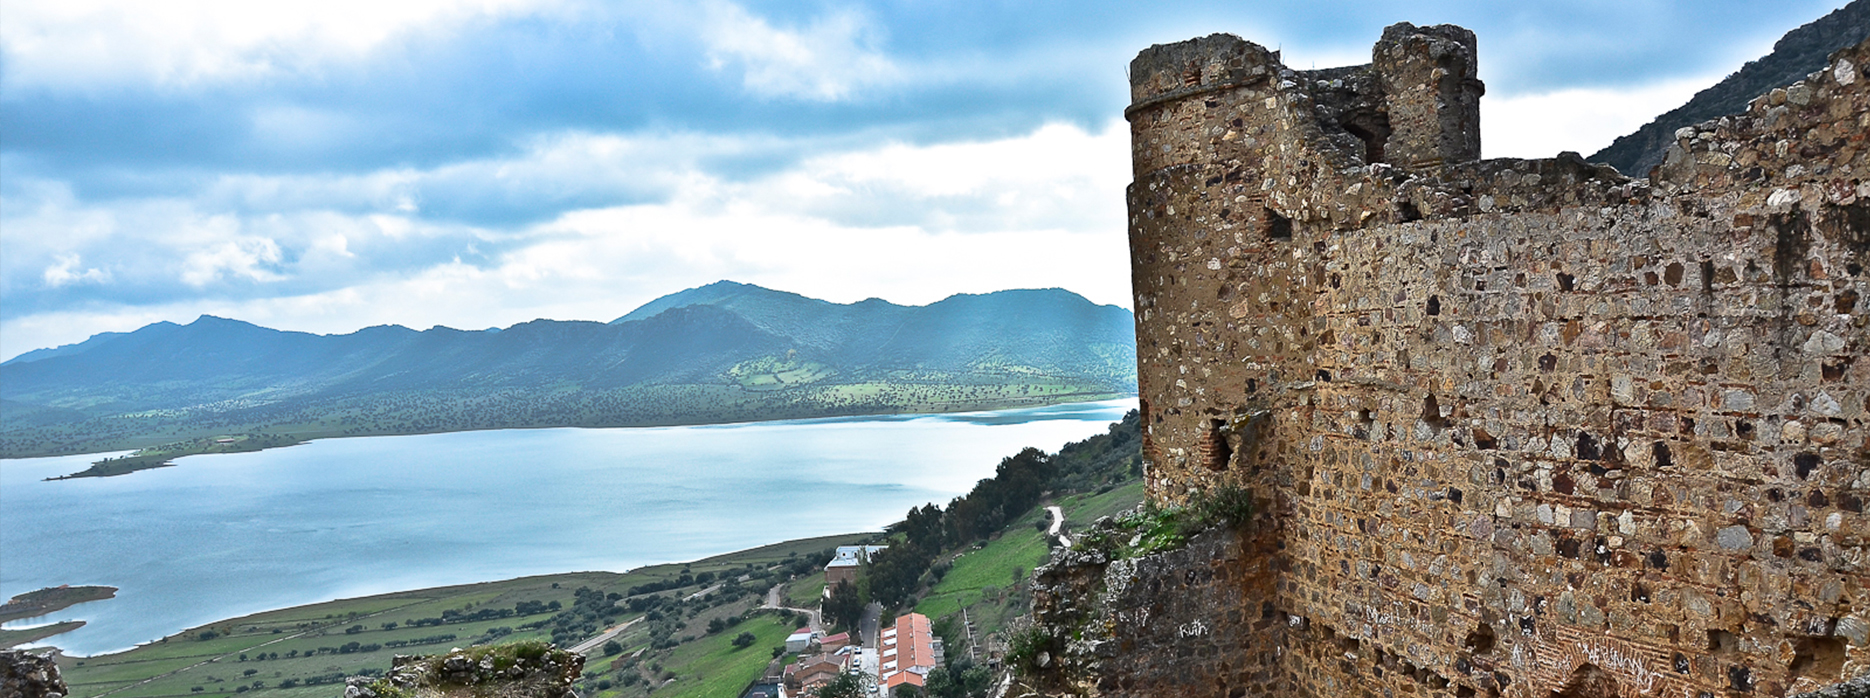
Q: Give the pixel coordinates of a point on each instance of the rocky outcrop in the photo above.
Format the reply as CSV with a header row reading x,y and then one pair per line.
x,y
1119,614
27,675
1859,688
518,670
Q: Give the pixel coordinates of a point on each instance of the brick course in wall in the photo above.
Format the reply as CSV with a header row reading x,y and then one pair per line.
x,y
1516,427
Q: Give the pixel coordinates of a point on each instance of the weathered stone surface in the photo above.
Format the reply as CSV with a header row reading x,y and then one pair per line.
x,y
1735,538
1857,688
27,675
1650,394
520,670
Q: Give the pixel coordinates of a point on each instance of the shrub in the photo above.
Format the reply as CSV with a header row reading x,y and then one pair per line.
x,y
1025,648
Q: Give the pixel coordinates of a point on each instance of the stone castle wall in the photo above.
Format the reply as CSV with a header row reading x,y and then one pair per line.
x,y
1516,427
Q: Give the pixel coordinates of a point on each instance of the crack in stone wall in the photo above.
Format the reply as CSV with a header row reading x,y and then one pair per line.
x,y
1528,427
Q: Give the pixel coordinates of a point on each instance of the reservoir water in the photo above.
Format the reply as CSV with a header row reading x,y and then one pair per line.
x,y
219,536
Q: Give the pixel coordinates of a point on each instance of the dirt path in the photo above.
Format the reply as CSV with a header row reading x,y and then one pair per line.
x,y
772,601
588,645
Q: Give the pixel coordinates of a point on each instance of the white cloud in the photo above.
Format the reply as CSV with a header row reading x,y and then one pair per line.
x,y
1057,176
1578,120
911,224
67,272
246,257
826,60
61,43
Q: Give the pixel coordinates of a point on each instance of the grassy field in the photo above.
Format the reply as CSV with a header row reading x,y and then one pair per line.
x,y
1082,509
715,667
805,593
307,650
990,570
990,581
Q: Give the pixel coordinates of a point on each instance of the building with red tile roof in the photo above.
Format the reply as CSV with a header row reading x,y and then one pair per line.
x,y
907,652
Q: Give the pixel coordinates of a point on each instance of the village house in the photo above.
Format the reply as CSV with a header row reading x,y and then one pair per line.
x,y
843,565
908,651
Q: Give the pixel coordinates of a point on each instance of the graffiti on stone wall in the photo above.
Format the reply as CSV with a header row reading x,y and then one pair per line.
x,y
1553,658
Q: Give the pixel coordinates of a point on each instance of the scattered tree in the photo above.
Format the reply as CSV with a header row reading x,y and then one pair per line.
x,y
845,685
845,607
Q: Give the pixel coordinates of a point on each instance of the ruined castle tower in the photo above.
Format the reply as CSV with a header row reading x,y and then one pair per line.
x,y
1514,427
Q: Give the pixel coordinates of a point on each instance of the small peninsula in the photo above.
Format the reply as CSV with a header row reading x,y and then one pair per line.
x,y
33,604
164,456
51,599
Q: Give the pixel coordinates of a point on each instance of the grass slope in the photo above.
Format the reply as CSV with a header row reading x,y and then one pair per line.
x,y
715,667
208,661
990,581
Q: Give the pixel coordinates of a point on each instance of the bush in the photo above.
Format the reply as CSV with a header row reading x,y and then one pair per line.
x,y
1227,505
1024,648
744,640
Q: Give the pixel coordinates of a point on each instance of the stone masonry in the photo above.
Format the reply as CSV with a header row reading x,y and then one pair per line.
x,y
1519,428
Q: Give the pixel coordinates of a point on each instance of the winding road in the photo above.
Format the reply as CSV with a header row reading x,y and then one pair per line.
x,y
772,601
1058,526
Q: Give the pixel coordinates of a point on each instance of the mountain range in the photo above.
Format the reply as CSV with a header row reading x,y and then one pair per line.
x,y
718,353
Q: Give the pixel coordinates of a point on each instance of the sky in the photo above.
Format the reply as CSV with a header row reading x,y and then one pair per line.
x,y
330,165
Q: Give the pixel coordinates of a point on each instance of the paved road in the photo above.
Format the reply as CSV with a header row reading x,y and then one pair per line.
x,y
585,647
1058,526
868,626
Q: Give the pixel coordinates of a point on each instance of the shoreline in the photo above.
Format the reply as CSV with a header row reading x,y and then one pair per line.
x,y
308,436
445,589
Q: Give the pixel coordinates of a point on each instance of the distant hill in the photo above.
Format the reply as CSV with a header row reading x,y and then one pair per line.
x,y
1800,52
719,353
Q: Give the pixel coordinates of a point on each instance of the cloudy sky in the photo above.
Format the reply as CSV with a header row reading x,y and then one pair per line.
x,y
335,164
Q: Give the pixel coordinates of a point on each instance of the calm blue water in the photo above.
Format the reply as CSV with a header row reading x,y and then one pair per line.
x,y
220,536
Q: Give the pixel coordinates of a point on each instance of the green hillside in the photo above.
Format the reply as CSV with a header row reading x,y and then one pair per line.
x,y
308,650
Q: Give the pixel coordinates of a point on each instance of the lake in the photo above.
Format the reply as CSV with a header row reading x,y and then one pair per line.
x,y
219,536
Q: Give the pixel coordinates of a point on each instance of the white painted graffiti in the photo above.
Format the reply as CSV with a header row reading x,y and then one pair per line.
x,y
1619,658
1193,628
